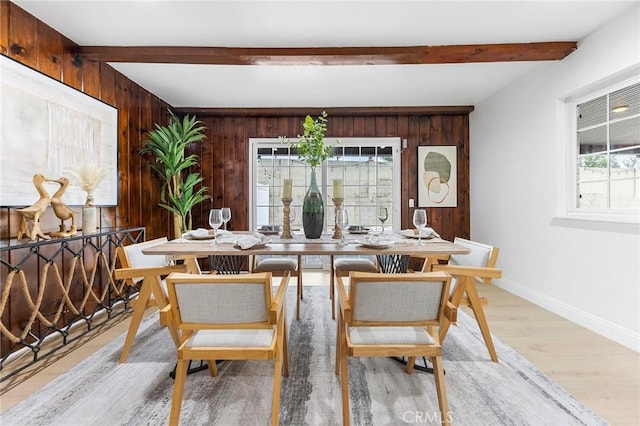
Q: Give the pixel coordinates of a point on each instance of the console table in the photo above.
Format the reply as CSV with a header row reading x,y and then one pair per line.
x,y
51,287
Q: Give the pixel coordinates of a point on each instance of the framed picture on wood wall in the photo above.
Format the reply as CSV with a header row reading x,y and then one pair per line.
x,y
47,127
437,176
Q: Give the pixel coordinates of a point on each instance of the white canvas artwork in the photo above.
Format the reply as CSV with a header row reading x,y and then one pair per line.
x,y
437,176
47,127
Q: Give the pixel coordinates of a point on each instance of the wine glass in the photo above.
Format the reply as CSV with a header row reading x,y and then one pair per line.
x,y
383,215
226,216
420,221
342,220
215,220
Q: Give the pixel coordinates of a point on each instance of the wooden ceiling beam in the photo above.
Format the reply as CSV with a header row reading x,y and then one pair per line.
x,y
332,111
453,54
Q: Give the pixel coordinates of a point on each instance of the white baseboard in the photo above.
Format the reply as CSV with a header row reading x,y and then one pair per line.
x,y
591,322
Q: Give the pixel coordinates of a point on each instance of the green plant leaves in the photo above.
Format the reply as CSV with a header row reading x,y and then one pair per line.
x,y
167,145
310,144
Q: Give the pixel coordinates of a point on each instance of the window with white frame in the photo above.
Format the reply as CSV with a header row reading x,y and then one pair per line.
x,y
369,169
607,151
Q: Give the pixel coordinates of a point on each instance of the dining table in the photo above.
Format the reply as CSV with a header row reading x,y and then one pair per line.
x,y
391,244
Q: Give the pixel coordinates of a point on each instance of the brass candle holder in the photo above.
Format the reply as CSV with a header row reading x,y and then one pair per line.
x,y
286,223
337,232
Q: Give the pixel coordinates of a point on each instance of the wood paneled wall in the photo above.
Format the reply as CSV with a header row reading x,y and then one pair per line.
x,y
224,155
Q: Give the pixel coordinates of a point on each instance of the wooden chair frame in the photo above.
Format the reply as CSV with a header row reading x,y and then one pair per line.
x,y
346,348
297,273
465,292
151,292
333,274
277,351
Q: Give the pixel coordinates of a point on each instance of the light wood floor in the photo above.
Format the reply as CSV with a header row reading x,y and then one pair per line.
x,y
603,375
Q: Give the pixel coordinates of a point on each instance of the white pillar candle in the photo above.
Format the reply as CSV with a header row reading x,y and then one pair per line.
x,y
286,191
337,188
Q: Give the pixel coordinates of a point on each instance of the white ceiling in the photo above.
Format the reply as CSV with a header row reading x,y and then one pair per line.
x,y
322,24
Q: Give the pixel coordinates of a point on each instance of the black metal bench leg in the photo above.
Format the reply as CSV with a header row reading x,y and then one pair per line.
x,y
203,366
418,367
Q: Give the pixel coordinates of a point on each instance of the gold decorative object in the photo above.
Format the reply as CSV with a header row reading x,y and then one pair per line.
x,y
62,210
337,232
32,214
286,223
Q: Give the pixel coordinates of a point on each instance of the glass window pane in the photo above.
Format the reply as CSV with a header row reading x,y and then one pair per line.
x,y
596,163
625,190
351,192
592,112
593,175
625,102
625,133
262,204
367,171
385,174
592,195
625,179
338,151
592,140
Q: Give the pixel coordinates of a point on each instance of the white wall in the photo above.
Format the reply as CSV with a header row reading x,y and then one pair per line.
x,y
588,272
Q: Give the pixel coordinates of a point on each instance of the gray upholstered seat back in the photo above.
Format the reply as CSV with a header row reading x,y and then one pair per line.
x,y
391,301
222,303
355,264
276,264
479,255
137,259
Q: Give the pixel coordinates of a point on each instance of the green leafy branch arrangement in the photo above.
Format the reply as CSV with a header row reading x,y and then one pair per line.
x,y
310,144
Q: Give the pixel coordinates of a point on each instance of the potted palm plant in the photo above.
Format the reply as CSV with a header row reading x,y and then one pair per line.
x,y
181,188
312,148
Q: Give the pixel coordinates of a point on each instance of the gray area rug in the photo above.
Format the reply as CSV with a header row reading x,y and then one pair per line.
x,y
99,391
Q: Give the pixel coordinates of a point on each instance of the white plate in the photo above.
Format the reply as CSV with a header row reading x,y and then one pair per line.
x,y
257,246
269,229
201,237
199,234
411,233
359,232
377,245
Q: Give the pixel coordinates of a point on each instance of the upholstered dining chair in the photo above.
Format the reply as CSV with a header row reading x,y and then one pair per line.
x,y
280,265
342,266
147,271
230,317
390,315
478,265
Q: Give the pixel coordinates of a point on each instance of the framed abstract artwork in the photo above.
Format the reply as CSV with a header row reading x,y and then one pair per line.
x,y
437,176
47,127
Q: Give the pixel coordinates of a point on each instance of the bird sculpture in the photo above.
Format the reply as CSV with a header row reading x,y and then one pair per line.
x,y
62,210
35,211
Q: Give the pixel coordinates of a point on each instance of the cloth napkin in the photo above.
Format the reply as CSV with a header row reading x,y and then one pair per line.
x,y
225,237
429,232
248,241
196,233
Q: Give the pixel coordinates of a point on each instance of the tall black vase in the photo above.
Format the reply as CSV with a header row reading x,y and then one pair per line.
x,y
313,209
